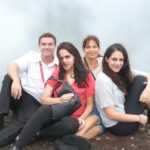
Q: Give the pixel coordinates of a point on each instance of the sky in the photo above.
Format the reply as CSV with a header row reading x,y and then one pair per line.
x,y
118,21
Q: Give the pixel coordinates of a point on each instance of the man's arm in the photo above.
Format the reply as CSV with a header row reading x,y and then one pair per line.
x,y
13,72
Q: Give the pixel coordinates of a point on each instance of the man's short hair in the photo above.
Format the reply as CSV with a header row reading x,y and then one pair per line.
x,y
47,35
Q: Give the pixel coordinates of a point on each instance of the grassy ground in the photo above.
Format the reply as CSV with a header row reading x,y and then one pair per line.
x,y
139,141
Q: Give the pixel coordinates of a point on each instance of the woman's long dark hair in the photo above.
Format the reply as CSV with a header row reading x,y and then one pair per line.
x,y
80,71
123,78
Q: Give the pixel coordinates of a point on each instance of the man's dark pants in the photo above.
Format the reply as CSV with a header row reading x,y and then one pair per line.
x,y
23,108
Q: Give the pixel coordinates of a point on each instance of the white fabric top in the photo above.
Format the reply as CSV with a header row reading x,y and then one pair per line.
x,y
98,68
138,72
30,74
108,94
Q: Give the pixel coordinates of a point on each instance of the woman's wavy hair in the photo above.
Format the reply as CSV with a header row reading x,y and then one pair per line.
x,y
123,78
80,71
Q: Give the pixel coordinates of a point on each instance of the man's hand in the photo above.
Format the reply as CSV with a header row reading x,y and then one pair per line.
x,y
16,89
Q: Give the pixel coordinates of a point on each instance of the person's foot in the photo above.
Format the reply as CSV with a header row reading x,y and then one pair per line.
x,y
78,141
1,121
16,148
60,145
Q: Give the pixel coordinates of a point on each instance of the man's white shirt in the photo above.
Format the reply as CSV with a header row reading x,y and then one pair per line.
x,y
30,74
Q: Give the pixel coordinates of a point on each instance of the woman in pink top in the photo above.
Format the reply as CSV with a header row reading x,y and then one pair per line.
x,y
72,70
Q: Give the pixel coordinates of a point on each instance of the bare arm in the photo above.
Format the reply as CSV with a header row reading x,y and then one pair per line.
x,y
88,108
13,72
145,95
87,111
112,114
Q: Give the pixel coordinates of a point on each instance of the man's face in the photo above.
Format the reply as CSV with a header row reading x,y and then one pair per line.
x,y
47,46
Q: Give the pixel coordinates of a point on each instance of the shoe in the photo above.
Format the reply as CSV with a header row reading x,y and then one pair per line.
x,y
60,145
80,142
16,148
1,121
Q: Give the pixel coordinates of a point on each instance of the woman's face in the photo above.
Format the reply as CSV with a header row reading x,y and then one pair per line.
x,y
91,50
115,61
67,60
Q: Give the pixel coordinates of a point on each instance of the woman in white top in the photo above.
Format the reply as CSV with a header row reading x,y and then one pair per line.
x,y
118,93
92,54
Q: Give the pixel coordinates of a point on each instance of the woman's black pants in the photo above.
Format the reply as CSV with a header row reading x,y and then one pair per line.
x,y
132,106
41,122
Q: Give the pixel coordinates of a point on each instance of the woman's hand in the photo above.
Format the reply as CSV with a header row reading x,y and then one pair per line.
x,y
81,123
66,97
143,119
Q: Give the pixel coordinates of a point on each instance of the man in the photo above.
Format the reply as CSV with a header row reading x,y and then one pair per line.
x,y
23,86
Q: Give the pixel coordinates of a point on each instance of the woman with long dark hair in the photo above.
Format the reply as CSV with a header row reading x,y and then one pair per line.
x,y
93,61
73,71
118,92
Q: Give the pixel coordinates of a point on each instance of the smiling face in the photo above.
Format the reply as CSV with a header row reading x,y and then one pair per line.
x,y
91,49
67,60
115,61
47,46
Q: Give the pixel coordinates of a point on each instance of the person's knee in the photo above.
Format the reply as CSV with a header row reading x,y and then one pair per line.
x,y
95,118
140,79
7,78
71,124
139,82
6,83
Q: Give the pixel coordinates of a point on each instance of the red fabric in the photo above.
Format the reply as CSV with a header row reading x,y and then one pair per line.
x,y
83,93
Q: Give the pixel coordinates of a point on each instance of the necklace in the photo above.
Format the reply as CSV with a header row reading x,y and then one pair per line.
x,y
91,64
71,75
